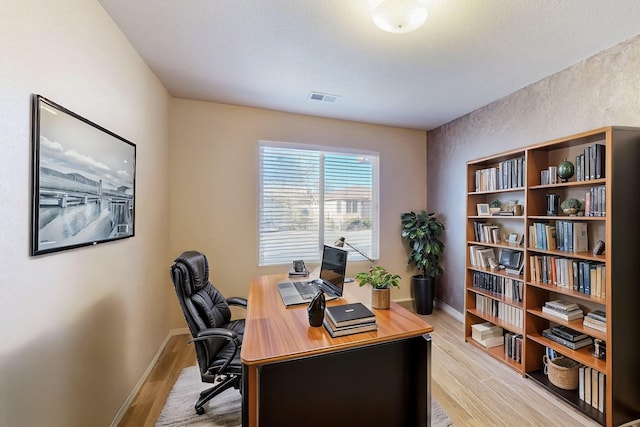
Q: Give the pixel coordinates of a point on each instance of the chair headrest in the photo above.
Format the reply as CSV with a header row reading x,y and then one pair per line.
x,y
198,267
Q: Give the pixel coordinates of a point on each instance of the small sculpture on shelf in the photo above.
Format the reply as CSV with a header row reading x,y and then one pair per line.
x,y
571,206
495,206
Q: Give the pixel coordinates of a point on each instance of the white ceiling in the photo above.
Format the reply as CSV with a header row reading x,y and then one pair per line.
x,y
273,53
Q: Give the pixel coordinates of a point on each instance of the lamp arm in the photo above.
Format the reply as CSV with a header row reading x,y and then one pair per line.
x,y
359,251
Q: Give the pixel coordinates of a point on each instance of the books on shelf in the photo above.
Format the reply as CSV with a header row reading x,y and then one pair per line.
x,y
595,201
513,346
597,320
563,310
588,277
570,236
511,289
479,256
349,314
548,333
506,174
591,387
568,333
487,334
503,311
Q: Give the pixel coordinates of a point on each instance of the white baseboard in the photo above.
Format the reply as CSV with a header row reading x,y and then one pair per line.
x,y
408,302
450,310
145,375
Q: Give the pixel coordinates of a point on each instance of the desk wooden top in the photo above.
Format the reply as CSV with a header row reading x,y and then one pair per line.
x,y
275,333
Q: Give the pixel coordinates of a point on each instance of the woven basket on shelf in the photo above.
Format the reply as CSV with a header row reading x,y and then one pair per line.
x,y
562,372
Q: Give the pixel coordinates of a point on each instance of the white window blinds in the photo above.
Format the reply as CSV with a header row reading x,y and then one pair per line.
x,y
315,195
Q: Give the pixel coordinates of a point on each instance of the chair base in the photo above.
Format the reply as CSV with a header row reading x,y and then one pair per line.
x,y
226,381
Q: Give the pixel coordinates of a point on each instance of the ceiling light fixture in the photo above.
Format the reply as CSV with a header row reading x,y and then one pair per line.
x,y
399,16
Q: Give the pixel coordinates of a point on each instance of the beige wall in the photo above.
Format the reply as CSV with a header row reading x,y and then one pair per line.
x,y
78,328
214,184
602,90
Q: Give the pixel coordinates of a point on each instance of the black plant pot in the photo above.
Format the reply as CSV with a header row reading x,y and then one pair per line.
x,y
423,293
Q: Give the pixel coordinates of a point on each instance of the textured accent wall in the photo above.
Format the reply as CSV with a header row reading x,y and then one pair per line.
x,y
599,91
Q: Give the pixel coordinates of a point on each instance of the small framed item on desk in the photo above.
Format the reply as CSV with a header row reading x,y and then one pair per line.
x,y
299,269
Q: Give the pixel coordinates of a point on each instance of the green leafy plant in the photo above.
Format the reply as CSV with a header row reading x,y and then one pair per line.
x,y
379,278
495,204
422,230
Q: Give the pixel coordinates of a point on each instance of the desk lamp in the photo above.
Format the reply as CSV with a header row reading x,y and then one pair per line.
x,y
342,241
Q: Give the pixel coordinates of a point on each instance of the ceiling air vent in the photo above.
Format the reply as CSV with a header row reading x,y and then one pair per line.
x,y
317,96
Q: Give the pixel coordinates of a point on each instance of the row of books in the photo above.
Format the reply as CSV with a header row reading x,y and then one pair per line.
x,y
596,319
569,236
347,319
487,334
507,174
591,387
595,201
512,289
479,256
486,232
588,277
563,310
505,312
591,163
513,346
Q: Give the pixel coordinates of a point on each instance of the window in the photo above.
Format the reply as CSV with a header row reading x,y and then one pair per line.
x,y
313,195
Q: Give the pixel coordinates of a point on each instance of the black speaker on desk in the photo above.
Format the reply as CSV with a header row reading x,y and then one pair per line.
x,y
316,309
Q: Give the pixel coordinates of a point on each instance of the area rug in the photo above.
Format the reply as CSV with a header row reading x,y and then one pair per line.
x,y
224,410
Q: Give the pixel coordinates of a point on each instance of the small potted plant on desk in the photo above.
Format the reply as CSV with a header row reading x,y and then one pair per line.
x,y
381,282
422,230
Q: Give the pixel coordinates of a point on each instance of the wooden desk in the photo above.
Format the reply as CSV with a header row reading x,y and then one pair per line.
x,y
294,374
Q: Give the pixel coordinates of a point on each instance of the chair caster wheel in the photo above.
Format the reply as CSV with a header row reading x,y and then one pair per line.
x,y
200,411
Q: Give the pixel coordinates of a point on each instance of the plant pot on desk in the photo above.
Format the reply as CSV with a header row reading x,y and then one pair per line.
x,y
423,293
381,298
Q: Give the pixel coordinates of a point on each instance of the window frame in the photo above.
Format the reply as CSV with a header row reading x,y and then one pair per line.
x,y
323,150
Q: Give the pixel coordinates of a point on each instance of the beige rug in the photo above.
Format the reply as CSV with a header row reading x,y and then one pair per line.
x,y
224,409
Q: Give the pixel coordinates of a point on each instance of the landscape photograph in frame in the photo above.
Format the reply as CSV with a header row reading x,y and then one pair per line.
x,y
83,176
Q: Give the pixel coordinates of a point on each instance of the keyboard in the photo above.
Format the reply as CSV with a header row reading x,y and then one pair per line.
x,y
306,288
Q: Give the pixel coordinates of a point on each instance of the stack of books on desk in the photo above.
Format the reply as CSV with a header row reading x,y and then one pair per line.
x,y
349,319
487,334
596,319
567,337
563,310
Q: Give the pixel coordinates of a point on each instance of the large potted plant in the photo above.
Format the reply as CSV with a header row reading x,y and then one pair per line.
x,y
422,231
381,282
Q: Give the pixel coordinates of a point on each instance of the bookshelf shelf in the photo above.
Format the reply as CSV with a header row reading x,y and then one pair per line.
x,y
576,325
569,396
496,296
569,292
605,180
499,354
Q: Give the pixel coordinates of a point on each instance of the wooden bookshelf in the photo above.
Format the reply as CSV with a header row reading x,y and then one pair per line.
x,y
615,222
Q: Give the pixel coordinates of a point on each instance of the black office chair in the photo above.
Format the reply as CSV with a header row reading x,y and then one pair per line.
x,y
216,337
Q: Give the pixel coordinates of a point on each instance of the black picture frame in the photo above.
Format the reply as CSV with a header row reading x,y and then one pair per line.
x,y
510,258
83,181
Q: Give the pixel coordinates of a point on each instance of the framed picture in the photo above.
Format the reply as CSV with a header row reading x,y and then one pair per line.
x,y
510,258
483,209
83,181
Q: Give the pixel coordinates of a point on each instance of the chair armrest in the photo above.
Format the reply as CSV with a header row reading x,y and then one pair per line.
x,y
205,334
209,333
242,302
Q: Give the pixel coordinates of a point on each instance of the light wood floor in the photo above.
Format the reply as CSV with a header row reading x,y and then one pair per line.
x,y
473,388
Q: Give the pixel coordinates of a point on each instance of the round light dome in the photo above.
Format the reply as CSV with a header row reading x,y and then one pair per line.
x,y
400,16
